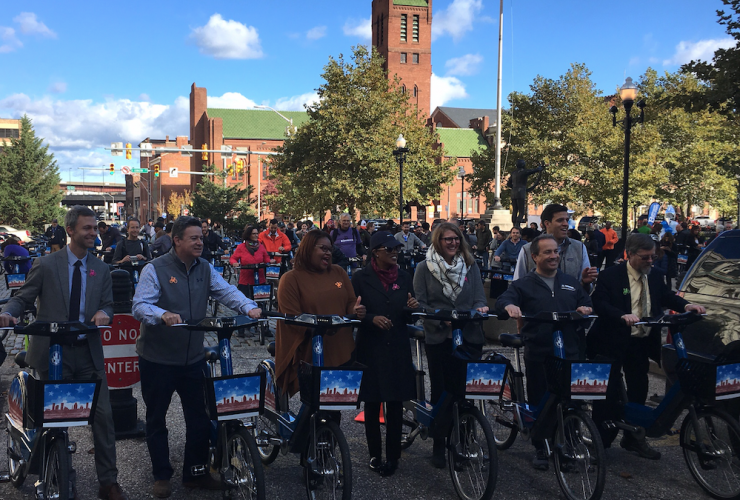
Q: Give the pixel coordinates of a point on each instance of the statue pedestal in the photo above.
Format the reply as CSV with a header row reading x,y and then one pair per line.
x,y
500,218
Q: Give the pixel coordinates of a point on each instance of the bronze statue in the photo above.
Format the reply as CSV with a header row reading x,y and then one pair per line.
x,y
518,184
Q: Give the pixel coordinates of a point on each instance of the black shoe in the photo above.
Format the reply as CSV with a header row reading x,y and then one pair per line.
x,y
389,468
640,447
376,465
438,454
540,460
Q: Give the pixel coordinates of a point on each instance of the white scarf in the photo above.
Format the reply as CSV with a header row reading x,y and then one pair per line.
x,y
451,276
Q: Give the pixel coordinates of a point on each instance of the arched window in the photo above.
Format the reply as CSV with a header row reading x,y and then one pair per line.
x,y
403,89
416,91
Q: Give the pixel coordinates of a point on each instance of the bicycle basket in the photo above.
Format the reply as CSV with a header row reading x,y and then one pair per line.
x,y
707,381
235,396
477,379
577,379
61,403
327,388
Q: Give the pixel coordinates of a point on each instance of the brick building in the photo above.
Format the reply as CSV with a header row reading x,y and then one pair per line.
x,y
9,129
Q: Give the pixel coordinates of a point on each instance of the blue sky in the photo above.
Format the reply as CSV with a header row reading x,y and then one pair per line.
x,y
103,72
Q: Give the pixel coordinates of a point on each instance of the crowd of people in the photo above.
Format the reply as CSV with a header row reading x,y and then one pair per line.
x,y
554,269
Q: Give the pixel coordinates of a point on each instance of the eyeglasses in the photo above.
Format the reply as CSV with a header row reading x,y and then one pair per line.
x,y
646,258
324,249
453,239
389,249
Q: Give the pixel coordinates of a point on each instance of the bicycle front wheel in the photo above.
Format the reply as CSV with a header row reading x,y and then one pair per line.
x,y
244,469
266,426
711,447
502,416
15,466
579,457
473,461
56,471
330,475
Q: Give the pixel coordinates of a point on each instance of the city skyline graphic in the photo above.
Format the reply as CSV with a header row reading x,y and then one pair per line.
x,y
340,386
589,380
485,378
241,394
728,381
68,401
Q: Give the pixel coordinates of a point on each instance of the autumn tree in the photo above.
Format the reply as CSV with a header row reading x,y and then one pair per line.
x,y
343,155
212,199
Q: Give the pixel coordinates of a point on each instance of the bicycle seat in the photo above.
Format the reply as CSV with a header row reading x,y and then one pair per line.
x,y
511,340
416,332
20,359
271,348
211,353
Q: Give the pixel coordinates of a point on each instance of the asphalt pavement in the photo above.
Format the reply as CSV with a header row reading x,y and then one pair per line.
x,y
628,476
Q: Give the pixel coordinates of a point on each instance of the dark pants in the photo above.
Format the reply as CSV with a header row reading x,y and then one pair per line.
x,y
536,387
441,369
393,422
607,256
635,363
77,364
246,290
158,383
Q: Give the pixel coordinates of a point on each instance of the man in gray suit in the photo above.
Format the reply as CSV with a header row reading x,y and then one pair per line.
x,y
72,285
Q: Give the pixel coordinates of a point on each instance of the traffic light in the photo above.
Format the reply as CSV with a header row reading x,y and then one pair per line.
x,y
128,150
112,168
230,171
239,167
204,154
156,170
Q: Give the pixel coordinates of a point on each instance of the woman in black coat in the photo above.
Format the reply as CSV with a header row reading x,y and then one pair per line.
x,y
383,346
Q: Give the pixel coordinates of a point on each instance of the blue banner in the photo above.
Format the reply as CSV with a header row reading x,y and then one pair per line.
x,y
653,212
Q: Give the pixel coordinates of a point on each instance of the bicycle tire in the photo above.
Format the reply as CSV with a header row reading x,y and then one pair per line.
x,y
474,461
503,417
336,472
16,471
244,471
579,450
267,425
723,464
56,471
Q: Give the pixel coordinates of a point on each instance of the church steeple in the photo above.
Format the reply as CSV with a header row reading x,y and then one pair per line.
x,y
402,33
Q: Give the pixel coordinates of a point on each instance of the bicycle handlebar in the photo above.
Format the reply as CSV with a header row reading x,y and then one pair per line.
x,y
319,321
559,317
50,328
682,319
227,323
449,314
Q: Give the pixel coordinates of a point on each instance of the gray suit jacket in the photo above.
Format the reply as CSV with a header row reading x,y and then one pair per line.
x,y
430,295
48,281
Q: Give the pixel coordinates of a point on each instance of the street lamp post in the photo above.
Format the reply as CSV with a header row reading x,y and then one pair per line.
x,y
461,173
290,130
628,92
400,154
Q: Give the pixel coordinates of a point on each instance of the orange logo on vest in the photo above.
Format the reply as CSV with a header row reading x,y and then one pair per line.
x,y
173,280
338,284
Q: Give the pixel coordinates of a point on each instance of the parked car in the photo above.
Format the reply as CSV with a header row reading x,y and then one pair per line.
x,y
705,222
587,223
22,234
724,220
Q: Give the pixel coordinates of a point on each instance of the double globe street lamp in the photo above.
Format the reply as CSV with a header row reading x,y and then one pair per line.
x,y
400,154
628,92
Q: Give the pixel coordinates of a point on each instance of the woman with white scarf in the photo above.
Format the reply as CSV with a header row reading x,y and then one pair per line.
x,y
448,279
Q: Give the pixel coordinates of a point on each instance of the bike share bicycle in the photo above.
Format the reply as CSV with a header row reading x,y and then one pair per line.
x,y
15,279
314,431
261,293
40,411
409,259
560,419
231,398
471,449
709,436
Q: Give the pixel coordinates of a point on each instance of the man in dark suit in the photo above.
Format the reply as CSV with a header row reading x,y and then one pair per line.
x,y
624,294
72,285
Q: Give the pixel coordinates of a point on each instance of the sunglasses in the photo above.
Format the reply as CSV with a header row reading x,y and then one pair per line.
x,y
389,249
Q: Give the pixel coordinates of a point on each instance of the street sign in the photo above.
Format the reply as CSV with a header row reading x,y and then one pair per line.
x,y
186,150
116,149
71,188
145,150
119,351
126,170
185,211
173,172
138,170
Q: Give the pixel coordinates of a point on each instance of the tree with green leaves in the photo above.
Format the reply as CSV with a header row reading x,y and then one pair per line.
x,y
343,155
29,181
212,199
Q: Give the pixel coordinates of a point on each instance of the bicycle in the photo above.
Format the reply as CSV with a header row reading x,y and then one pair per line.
x,y
409,259
231,398
314,432
15,279
39,415
471,449
709,436
262,294
560,419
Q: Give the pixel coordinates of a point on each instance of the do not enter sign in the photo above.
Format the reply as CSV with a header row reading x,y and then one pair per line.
x,y
119,350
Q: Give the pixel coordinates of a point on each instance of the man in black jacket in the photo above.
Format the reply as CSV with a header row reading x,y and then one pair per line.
x,y
56,235
212,242
546,288
623,295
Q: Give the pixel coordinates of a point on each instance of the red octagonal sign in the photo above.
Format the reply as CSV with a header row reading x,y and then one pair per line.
x,y
119,350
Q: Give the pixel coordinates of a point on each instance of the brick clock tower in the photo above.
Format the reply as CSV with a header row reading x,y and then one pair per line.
x,y
402,33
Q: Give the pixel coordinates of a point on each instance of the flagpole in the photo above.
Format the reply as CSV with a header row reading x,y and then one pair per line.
x,y
497,199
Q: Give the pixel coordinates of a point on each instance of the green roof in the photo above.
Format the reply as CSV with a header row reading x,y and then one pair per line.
x,y
256,123
459,142
412,3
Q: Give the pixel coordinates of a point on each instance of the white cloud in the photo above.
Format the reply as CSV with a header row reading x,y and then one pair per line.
x,y
58,88
230,100
445,89
9,41
144,97
456,19
316,33
465,66
29,25
703,49
296,102
230,39
360,28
